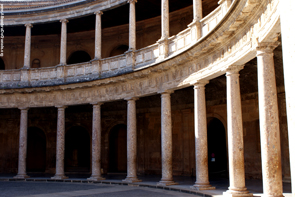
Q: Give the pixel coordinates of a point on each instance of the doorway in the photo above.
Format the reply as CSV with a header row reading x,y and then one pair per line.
x,y
217,151
118,149
36,150
77,150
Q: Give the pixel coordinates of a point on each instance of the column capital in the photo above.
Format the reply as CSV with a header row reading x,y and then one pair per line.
x,y
98,13
131,99
24,108
96,103
166,92
61,107
28,25
64,20
200,84
266,47
132,1
233,69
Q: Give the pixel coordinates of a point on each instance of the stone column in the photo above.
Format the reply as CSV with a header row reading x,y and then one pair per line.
x,y
163,42
63,42
131,142
237,185
98,35
60,144
22,151
165,19
269,121
132,25
201,144
198,15
96,143
166,139
287,11
27,55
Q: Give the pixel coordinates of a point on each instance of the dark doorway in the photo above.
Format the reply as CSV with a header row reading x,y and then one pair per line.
x,y
77,150
36,152
119,50
79,57
217,152
118,149
2,65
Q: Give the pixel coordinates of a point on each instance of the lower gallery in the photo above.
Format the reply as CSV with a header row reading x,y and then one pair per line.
x,y
214,101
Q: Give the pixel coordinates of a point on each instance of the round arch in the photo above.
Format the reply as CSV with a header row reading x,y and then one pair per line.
x,y
78,57
77,150
36,150
121,49
217,147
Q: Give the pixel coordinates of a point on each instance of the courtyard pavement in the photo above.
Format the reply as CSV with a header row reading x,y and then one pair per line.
x,y
77,185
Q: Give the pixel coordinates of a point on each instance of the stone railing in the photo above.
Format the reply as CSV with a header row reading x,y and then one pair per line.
x,y
211,20
112,66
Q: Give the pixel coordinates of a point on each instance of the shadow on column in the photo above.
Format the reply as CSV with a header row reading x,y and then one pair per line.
x,y
36,152
77,150
118,149
217,151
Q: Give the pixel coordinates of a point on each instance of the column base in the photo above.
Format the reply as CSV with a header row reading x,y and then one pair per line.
x,y
200,186
166,183
95,178
21,176
59,177
236,193
131,180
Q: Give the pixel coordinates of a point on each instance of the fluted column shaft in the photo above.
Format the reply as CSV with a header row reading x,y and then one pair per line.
x,y
60,144
287,11
27,55
96,143
235,134
22,153
269,122
201,144
131,141
132,25
63,42
165,19
98,35
166,139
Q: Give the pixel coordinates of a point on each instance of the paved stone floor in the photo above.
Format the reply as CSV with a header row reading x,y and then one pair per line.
x,y
77,185
45,189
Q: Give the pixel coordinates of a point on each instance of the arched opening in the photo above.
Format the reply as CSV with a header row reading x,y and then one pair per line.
x,y
36,63
77,150
217,151
119,50
78,57
118,149
2,65
36,150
